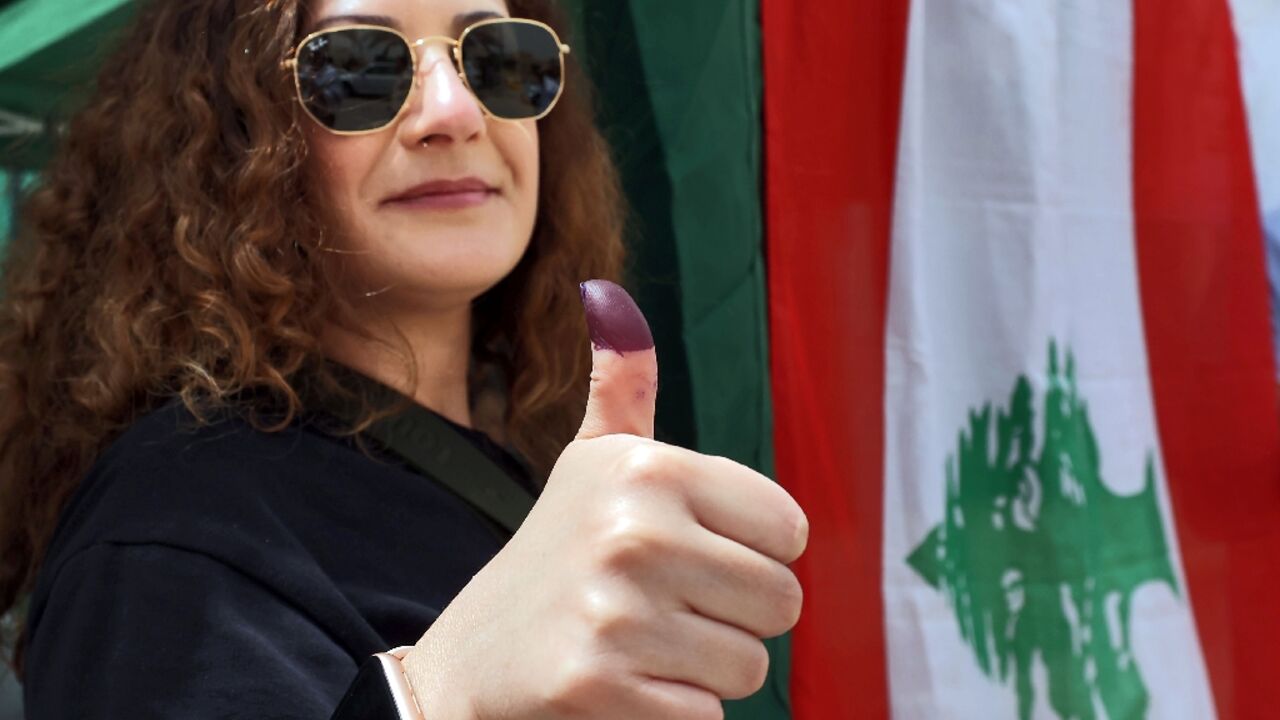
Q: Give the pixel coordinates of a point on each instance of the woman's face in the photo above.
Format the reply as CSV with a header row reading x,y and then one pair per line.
x,y
439,206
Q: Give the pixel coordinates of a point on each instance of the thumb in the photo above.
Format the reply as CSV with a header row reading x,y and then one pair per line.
x,y
624,364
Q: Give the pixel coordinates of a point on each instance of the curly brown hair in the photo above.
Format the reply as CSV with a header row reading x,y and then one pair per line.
x,y
170,250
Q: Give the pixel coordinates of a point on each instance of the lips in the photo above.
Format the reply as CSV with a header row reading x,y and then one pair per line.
x,y
444,191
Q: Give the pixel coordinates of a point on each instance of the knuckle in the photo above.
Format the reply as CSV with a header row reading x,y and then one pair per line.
x,y
789,603
576,687
752,672
802,531
781,601
647,466
607,618
629,545
797,529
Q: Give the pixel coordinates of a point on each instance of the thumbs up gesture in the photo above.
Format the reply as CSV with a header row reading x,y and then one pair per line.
x,y
643,580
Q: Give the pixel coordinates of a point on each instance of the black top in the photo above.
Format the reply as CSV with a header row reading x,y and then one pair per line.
x,y
218,571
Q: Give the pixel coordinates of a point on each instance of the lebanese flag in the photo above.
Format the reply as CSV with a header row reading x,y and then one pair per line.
x,y
1021,355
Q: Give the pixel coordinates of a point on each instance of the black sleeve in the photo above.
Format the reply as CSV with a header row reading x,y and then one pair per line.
x,y
154,631
369,697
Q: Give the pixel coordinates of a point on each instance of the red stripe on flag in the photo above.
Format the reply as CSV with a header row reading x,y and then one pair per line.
x,y
833,83
1204,298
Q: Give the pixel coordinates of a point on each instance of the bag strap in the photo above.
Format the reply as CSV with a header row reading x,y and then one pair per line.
x,y
436,449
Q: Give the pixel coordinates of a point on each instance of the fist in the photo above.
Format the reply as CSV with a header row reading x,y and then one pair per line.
x,y
643,580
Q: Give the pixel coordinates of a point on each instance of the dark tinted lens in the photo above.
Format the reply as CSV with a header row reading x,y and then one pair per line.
x,y
355,79
513,68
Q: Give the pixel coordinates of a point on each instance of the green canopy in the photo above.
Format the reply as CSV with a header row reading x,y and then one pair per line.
x,y
49,52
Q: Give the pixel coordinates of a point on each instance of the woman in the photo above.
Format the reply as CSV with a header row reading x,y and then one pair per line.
x,y
298,274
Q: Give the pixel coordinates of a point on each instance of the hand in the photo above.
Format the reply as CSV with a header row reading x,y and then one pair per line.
x,y
642,581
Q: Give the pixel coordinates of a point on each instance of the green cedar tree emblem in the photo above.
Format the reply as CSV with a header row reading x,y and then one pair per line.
x,y
1037,557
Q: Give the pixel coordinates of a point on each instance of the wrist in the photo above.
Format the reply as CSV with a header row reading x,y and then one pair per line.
x,y
425,671
379,690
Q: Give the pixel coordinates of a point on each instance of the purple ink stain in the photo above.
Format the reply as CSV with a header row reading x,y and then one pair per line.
x,y
613,318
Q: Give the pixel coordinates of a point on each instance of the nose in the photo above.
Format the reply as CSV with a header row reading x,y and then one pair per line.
x,y
442,110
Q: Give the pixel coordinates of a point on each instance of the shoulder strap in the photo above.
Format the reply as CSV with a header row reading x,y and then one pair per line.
x,y
436,449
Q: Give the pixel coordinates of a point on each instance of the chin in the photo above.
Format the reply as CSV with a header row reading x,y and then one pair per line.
x,y
455,282
452,258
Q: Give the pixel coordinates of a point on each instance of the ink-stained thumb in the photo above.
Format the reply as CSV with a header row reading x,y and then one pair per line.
x,y
624,364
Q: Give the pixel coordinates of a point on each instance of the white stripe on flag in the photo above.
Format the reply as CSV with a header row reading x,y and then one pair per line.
x,y
1257,25
1014,227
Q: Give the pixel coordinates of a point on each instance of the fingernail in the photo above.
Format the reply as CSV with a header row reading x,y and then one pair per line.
x,y
613,318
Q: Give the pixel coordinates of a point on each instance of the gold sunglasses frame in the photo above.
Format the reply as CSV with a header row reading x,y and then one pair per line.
x,y
414,45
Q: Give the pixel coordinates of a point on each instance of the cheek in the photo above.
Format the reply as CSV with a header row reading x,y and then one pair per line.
x,y
523,156
338,165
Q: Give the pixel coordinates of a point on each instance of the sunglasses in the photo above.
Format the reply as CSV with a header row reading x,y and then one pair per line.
x,y
357,79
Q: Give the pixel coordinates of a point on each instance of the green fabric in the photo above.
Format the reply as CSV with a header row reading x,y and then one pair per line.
x,y
30,27
12,184
8,200
49,53
680,96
